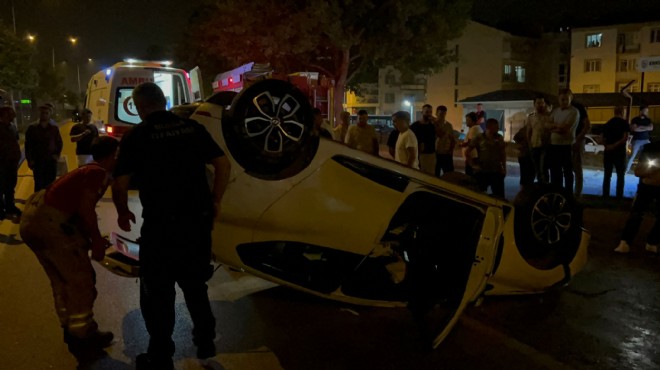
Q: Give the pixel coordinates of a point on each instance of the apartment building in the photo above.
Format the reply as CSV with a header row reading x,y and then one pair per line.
x,y
605,59
488,60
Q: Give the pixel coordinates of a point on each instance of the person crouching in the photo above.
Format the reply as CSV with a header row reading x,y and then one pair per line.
x,y
59,225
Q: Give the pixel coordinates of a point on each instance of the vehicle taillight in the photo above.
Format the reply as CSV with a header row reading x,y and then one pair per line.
x,y
109,129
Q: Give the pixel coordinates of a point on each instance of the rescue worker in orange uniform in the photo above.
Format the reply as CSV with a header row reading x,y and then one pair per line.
x,y
59,225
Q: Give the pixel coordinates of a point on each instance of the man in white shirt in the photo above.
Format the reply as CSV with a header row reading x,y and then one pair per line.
x,y
474,130
406,145
562,138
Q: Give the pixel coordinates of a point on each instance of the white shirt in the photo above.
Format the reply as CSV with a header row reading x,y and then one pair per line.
x,y
564,117
406,140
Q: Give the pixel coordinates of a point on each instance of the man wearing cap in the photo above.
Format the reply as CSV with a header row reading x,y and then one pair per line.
x,y
444,143
84,134
43,145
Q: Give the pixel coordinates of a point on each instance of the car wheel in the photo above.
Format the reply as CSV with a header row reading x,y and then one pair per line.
x,y
268,130
548,225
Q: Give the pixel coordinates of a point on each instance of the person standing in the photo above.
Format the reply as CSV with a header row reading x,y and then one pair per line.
x,y
167,156
84,134
481,117
362,136
562,137
59,225
10,155
445,143
392,138
615,136
490,165
648,191
525,162
425,132
406,144
43,145
641,127
469,153
342,128
583,127
320,128
538,126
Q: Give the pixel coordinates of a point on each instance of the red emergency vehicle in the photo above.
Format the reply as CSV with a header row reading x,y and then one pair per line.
x,y
318,88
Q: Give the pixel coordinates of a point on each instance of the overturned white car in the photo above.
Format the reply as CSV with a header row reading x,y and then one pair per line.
x,y
315,215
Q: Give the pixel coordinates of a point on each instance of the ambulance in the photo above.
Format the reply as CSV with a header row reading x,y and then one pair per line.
x,y
109,91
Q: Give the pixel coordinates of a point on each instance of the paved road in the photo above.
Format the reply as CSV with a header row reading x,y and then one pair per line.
x,y
606,319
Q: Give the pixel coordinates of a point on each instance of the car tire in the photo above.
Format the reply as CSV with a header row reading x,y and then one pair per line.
x,y
268,130
547,225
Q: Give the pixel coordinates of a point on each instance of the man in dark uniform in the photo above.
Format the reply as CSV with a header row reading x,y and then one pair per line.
x,y
43,145
166,156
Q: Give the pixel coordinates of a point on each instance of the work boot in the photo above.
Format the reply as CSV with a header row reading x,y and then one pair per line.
x,y
623,247
145,362
652,248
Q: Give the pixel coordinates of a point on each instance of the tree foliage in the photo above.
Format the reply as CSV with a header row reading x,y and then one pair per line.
x,y
345,40
293,34
15,57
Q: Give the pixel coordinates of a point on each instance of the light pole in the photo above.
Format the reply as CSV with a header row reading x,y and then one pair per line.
x,y
74,41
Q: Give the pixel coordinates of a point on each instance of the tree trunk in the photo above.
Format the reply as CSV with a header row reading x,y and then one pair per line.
x,y
340,85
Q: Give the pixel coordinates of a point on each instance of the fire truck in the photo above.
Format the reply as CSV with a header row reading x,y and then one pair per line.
x,y
316,87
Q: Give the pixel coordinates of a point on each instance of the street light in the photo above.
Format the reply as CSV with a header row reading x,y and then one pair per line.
x,y
408,104
31,38
74,40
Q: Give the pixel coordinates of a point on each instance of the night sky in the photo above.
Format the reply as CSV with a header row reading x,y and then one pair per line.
x,y
111,30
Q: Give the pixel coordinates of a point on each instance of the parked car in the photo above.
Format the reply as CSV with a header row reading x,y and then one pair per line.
x,y
314,215
592,144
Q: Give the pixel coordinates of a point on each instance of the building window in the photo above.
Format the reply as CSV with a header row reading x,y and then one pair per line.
x,y
520,74
655,35
631,88
563,73
594,40
592,65
627,65
653,87
390,79
590,89
389,98
508,75
456,76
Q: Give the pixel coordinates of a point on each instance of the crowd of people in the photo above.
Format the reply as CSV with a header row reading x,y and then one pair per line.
x,y
165,161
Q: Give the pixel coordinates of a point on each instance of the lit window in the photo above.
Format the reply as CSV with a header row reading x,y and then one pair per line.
x,y
594,40
508,72
592,65
520,74
653,87
590,89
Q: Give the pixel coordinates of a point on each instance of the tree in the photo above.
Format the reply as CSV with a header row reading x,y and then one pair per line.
x,y
15,57
345,40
